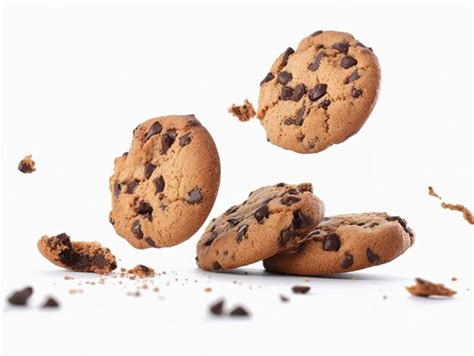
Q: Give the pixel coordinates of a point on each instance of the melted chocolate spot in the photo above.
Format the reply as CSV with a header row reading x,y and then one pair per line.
x,y
284,78
132,186
301,220
331,242
289,200
242,233
185,139
371,256
154,129
317,61
137,229
194,196
159,184
347,261
167,140
341,47
149,168
317,92
261,213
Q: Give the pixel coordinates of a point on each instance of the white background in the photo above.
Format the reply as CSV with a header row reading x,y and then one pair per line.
x,y
76,80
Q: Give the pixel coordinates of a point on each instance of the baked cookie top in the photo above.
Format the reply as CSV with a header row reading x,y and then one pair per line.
x,y
320,94
346,243
270,220
164,188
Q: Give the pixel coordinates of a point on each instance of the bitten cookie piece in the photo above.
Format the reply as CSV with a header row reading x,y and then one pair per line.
x,y
272,219
164,188
77,256
320,94
346,243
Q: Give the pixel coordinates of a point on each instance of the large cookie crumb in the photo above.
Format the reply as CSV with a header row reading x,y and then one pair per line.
x,y
20,297
424,288
243,112
467,214
27,165
142,271
77,256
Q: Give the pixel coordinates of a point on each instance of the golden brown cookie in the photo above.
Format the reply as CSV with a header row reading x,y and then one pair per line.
x,y
164,188
272,219
345,243
320,94
77,256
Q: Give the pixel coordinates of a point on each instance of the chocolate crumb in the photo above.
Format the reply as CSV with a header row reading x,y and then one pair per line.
x,y
454,279
433,193
300,289
243,112
208,289
424,288
27,165
239,311
284,298
217,307
20,297
50,303
142,271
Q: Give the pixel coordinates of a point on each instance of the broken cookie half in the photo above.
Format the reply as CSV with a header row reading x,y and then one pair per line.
x,y
79,256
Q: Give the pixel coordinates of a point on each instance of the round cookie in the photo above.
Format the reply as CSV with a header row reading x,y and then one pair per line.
x,y
320,94
271,220
164,188
345,243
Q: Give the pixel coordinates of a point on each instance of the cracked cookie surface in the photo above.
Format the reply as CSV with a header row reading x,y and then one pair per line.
x,y
79,256
320,94
345,243
272,219
164,188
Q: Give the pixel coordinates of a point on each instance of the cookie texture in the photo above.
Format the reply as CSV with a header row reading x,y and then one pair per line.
x,y
320,94
346,243
77,256
272,219
164,188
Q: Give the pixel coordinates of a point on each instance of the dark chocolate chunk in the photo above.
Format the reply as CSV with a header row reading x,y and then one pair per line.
x,y
286,93
151,243
236,220
331,242
299,119
211,238
261,213
239,311
301,220
149,168
167,140
347,261
352,77
289,51
20,297
289,121
117,189
300,289
231,210
317,92
348,61
316,33
280,185
317,61
154,129
341,47
125,154
50,303
136,229
132,186
217,308
267,78
356,92
159,184
360,44
371,256
145,209
289,200
194,196
285,236
242,232
185,139
284,78
325,104
402,222
216,266
298,92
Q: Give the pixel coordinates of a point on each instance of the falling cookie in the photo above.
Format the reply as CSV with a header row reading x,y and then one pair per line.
x,y
77,256
164,188
320,94
271,220
346,243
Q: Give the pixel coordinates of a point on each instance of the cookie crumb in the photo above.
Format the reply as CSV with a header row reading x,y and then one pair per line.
x,y
300,289
284,298
208,289
27,165
384,297
217,308
433,193
454,279
20,297
142,271
243,112
68,278
239,311
156,289
76,291
50,303
424,288
467,214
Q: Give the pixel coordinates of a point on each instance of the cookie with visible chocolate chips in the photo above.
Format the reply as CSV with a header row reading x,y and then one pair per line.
x,y
77,256
164,188
271,220
345,243
320,94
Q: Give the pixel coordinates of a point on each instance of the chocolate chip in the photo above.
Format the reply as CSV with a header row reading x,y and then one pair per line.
x,y
325,104
217,308
289,51
341,47
280,185
236,220
194,196
286,93
301,220
331,242
99,260
125,154
299,119
50,303
316,33
348,61
360,44
149,168
136,229
371,256
261,213
268,77
285,236
317,92
145,209
289,200
374,224
167,140
159,184
216,266
20,297
185,139
151,243
352,77
154,129
231,210
239,311
289,121
402,222
284,298
284,78
317,61
242,232
132,186
211,238
117,189
347,261
300,289
298,92
356,92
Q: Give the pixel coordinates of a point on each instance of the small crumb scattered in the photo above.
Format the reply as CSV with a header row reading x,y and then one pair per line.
x,y
134,294
144,286
284,298
50,303
300,289
217,308
454,279
68,278
156,289
433,193
467,214
20,297
208,289
76,291
239,311
142,271
424,288
27,165
243,112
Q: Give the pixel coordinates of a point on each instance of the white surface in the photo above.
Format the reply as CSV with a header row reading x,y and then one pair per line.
x,y
78,78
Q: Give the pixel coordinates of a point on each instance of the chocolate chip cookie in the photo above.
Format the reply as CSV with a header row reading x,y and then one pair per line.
x,y
346,243
272,219
165,186
320,94
77,256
